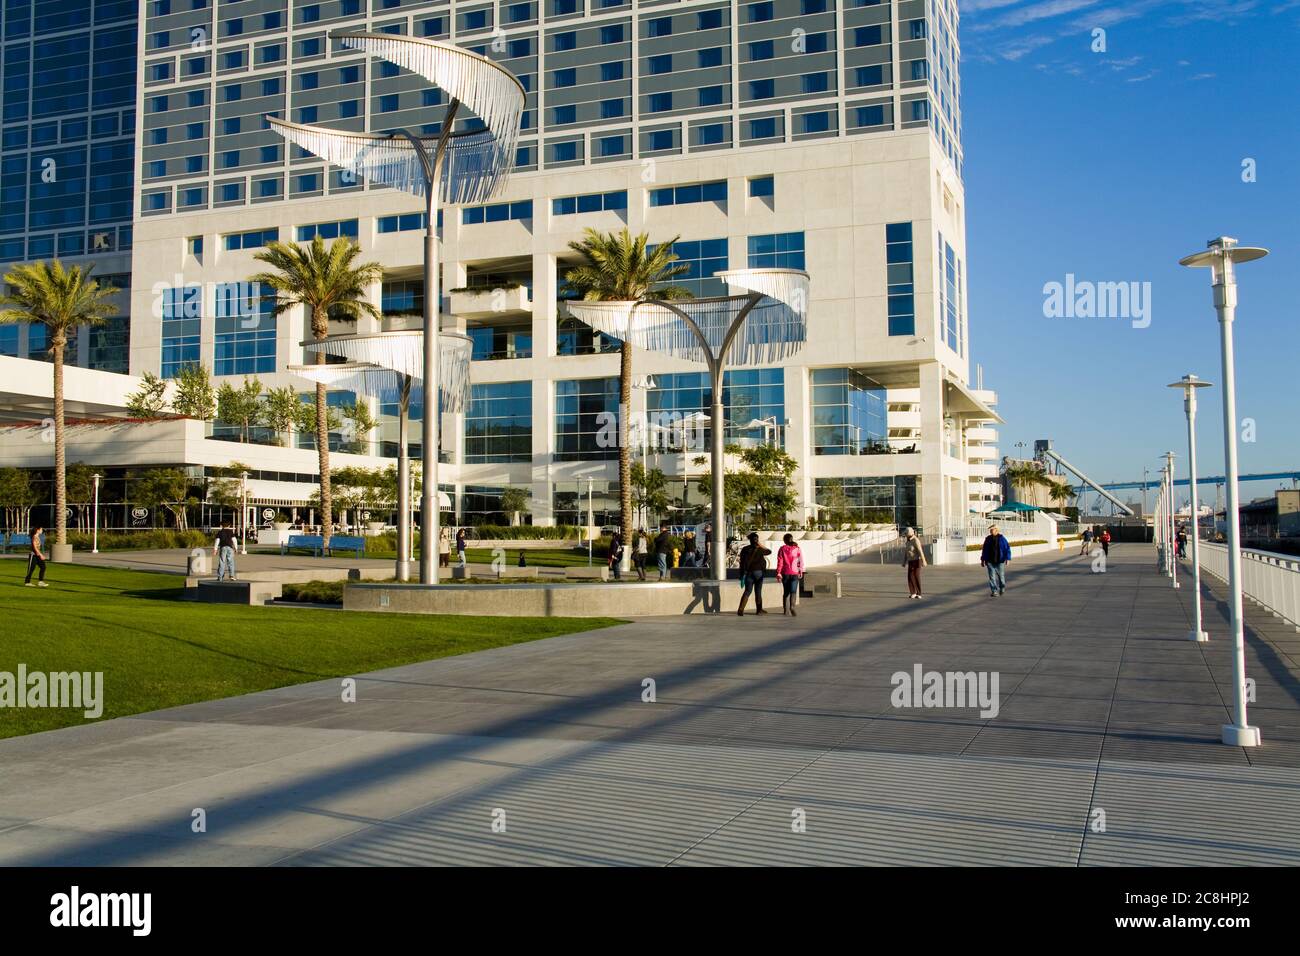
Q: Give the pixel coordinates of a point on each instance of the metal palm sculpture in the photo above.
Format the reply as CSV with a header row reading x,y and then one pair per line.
x,y
387,365
467,167
764,320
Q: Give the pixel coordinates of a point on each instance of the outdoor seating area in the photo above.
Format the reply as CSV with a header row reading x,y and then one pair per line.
x,y
316,545
18,542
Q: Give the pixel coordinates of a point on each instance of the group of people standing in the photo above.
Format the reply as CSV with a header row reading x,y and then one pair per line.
x,y
691,555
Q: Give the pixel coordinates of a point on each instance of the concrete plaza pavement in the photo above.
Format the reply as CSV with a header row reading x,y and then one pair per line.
x,y
1104,751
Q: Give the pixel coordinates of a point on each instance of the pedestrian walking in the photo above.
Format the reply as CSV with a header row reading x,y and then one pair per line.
x,y
615,559
708,543
1087,542
36,558
753,562
914,561
1105,541
460,546
663,547
994,556
1182,544
641,553
223,549
444,547
690,556
789,571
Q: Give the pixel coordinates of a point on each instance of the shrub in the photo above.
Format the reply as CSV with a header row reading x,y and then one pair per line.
x,y
1014,544
313,592
155,538
526,532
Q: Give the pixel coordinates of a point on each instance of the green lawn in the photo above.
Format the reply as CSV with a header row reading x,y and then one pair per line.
x,y
156,650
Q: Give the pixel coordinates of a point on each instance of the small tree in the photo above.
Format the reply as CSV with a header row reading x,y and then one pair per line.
x,y
81,489
165,488
514,501
305,418
360,421
280,411
241,406
649,491
195,396
17,497
835,503
150,400
225,489
762,486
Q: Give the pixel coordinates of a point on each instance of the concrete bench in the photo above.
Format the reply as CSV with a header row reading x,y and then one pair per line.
x,y
460,574
595,573
237,592
823,583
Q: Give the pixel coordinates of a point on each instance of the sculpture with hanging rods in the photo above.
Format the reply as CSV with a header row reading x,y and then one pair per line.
x,y
387,365
466,167
763,321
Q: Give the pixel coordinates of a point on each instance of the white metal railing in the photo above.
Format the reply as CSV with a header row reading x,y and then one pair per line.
x,y
1270,580
861,542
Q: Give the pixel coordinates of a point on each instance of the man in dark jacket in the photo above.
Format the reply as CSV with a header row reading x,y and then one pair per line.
x,y
753,562
663,547
995,556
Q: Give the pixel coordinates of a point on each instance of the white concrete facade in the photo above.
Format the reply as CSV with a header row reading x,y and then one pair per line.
x,y
839,194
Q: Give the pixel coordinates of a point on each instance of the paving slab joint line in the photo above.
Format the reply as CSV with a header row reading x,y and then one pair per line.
x,y
351,735
759,799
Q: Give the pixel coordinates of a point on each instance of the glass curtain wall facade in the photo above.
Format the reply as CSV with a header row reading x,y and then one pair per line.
x,y
67,150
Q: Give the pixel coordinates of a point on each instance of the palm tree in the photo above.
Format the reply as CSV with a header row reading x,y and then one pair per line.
x,y
62,300
618,267
1059,491
327,282
1024,475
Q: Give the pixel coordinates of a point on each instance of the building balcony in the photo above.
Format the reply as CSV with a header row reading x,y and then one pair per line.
x,y
491,301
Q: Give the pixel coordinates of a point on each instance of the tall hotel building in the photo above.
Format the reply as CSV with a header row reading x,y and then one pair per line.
x,y
67,154
815,134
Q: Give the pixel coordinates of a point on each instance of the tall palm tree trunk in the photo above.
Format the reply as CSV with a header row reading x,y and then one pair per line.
x,y
624,452
60,457
319,329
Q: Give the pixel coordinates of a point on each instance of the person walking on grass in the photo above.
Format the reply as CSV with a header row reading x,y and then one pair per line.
x,y
223,549
36,558
994,556
789,571
662,549
914,561
753,562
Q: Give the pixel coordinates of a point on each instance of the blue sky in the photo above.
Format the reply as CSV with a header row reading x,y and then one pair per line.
x,y
1111,166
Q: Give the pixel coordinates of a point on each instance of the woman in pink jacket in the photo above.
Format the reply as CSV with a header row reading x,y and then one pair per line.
x,y
789,571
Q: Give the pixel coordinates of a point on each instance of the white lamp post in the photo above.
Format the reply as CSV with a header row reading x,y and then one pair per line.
x,y
1171,546
1221,258
591,518
1189,383
94,531
243,510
